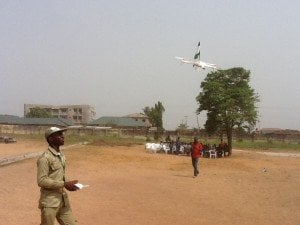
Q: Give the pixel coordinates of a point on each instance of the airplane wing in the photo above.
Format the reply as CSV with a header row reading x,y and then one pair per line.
x,y
184,60
209,65
197,63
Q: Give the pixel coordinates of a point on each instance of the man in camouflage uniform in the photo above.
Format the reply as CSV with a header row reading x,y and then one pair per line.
x,y
54,202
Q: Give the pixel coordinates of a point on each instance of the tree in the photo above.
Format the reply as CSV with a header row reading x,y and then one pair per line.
x,y
38,112
228,100
182,126
155,115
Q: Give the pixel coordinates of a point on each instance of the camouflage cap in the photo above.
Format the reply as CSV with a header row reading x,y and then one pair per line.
x,y
53,130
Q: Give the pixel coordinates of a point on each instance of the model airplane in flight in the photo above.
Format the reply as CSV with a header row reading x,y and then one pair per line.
x,y
196,62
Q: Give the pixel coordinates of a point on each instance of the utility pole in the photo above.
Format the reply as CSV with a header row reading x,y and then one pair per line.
x,y
186,121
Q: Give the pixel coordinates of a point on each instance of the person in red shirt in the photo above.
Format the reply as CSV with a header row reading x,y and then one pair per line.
x,y
196,149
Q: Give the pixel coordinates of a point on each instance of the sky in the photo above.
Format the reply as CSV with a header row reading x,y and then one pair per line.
x,y
118,56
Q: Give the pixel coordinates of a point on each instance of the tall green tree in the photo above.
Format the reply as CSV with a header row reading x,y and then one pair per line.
x,y
38,112
229,101
155,115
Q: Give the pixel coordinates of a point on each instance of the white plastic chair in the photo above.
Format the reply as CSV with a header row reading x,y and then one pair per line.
x,y
173,149
212,153
165,148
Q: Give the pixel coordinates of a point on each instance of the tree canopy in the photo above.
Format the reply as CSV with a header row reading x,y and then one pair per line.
x,y
38,112
155,115
228,100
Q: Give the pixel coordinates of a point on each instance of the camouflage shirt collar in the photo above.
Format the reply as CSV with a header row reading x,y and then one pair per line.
x,y
53,151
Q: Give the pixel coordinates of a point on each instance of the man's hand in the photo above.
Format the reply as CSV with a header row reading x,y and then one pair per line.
x,y
70,185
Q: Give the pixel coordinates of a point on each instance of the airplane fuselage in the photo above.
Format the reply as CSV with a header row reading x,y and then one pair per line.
x,y
199,64
196,62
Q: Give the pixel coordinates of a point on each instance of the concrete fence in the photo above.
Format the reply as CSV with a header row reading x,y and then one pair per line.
x,y
78,130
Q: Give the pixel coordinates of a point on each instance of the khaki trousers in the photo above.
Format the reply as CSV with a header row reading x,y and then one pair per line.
x,y
63,214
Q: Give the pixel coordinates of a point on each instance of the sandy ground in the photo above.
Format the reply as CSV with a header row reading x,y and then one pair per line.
x,y
129,186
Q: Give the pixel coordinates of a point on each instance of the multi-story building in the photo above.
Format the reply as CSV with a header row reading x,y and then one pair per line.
x,y
79,114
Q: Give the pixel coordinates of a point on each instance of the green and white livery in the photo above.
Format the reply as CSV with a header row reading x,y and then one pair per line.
x,y
197,63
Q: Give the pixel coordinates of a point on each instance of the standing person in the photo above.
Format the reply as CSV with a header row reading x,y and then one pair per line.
x,y
196,149
223,147
222,144
54,202
177,144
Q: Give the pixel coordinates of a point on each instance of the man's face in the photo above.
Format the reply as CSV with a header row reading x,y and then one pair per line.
x,y
57,138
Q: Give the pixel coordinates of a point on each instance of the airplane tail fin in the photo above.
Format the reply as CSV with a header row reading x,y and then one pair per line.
x,y
197,55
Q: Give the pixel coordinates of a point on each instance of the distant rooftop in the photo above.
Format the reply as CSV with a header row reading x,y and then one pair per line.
x,y
137,115
15,120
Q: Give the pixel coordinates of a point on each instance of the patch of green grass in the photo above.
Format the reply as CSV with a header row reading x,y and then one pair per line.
x,y
261,145
96,139
99,140
116,140
70,138
265,145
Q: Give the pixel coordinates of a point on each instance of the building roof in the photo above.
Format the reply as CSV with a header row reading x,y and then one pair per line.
x,y
118,122
140,116
137,115
9,119
15,120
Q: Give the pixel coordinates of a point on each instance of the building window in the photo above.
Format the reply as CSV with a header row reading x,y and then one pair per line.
x,y
64,110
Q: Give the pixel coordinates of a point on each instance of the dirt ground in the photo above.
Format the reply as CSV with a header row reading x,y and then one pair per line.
x,y
129,186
